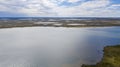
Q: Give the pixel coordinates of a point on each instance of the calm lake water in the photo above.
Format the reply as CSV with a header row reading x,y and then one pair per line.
x,y
54,46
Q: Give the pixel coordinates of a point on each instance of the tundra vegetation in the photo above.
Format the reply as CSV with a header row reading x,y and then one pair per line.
x,y
111,57
59,22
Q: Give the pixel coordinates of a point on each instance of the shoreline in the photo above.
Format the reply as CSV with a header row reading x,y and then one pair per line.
x,y
57,27
7,23
111,57
67,26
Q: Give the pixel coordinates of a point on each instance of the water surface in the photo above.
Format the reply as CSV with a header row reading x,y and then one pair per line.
x,y
54,46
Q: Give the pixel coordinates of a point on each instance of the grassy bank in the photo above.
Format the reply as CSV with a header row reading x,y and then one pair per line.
x,y
111,57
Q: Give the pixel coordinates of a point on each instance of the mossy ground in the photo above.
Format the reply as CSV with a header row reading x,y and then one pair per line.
x,y
111,57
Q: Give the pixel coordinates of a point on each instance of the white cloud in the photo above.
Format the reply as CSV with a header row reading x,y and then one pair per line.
x,y
116,5
95,4
52,7
3,8
74,1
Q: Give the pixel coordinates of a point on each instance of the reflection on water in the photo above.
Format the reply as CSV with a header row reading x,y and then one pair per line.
x,y
54,47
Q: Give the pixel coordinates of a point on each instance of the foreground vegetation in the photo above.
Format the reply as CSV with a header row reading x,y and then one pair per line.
x,y
111,57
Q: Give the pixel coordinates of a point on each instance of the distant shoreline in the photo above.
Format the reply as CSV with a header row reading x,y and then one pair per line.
x,y
58,22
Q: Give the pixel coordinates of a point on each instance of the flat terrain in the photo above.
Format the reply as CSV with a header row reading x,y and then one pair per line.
x,y
58,22
111,57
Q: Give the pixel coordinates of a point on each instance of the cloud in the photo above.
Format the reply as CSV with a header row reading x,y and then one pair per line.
x,y
74,1
95,4
99,8
115,5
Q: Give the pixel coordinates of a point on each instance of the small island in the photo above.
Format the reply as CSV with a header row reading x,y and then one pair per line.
x,y
111,57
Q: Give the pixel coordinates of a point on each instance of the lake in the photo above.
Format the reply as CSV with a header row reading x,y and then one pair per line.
x,y
55,46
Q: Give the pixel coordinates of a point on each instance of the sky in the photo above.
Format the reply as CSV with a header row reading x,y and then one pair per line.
x,y
59,8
